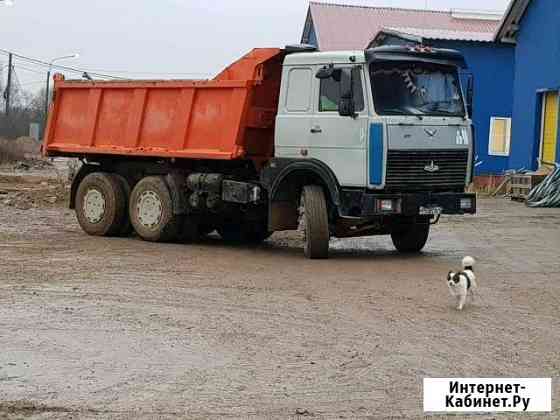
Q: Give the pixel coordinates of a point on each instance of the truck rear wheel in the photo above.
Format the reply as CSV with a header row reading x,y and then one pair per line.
x,y
316,222
101,204
411,238
151,211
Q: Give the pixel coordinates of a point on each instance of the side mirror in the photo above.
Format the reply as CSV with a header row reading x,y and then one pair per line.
x,y
346,106
325,72
470,95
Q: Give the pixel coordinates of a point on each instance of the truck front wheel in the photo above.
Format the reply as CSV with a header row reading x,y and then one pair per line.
x,y
151,211
316,222
101,204
411,238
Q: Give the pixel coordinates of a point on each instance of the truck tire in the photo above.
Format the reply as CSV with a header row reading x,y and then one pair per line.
x,y
101,204
126,227
316,220
151,211
411,238
243,233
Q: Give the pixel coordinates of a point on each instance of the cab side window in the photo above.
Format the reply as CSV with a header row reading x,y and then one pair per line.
x,y
329,93
299,90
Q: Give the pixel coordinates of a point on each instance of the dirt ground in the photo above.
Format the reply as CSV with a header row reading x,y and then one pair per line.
x,y
120,328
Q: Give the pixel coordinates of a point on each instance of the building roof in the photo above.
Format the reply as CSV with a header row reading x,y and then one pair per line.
x,y
509,26
344,27
441,34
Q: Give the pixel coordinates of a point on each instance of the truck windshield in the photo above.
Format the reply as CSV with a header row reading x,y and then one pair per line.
x,y
416,89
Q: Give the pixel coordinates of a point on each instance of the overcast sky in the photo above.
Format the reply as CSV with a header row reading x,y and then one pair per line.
x,y
165,38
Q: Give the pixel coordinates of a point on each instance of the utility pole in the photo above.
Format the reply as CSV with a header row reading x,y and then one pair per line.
x,y
9,85
47,98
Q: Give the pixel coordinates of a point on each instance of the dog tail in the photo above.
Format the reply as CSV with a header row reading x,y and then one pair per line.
x,y
468,263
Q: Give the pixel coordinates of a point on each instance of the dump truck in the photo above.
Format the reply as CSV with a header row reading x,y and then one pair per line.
x,y
337,144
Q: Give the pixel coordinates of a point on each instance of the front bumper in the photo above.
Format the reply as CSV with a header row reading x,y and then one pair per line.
x,y
364,204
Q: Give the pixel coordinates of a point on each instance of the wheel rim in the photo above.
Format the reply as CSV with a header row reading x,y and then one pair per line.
x,y
94,206
149,209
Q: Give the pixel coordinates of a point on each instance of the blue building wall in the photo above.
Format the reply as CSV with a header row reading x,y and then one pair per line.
x,y
537,59
492,66
313,36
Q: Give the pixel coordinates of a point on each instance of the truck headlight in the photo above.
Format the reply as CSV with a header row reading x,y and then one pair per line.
x,y
465,203
388,205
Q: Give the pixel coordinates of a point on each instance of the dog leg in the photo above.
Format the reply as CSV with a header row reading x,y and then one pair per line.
x,y
462,300
457,299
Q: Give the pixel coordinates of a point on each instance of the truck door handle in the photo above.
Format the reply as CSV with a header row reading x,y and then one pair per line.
x,y
316,129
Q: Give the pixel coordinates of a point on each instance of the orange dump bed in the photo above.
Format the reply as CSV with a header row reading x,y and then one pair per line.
x,y
229,117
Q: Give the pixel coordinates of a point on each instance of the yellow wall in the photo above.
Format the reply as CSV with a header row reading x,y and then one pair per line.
x,y
550,127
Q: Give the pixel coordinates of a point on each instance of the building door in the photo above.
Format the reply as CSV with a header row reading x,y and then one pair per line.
x,y
549,131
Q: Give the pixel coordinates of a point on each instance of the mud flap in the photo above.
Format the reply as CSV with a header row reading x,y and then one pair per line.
x,y
176,182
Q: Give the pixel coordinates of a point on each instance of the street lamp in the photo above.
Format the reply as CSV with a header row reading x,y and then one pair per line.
x,y
64,57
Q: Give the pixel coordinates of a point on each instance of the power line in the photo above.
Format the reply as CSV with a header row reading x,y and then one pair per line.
x,y
15,76
17,83
155,73
19,66
57,66
35,82
101,73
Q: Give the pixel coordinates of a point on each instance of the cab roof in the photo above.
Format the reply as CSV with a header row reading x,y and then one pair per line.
x,y
417,53
327,57
385,53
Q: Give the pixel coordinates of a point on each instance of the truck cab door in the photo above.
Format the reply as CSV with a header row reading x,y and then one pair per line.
x,y
340,141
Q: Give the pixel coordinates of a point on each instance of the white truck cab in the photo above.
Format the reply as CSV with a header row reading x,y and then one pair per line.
x,y
309,125
387,133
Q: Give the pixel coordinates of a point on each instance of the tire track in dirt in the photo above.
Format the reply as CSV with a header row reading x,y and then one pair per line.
x,y
122,326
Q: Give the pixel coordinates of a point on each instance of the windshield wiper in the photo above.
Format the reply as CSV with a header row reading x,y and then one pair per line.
x,y
446,112
399,111
396,111
435,107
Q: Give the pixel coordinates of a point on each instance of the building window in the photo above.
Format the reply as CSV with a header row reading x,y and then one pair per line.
x,y
500,136
329,93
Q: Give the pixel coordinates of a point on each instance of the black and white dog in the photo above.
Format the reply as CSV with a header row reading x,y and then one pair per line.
x,y
463,283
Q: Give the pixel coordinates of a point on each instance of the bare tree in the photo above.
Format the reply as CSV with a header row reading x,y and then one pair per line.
x,y
27,107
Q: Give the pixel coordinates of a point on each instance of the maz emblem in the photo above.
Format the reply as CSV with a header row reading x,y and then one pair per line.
x,y
430,132
431,168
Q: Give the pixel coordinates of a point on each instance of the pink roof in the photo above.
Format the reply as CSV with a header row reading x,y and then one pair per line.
x,y
444,34
344,27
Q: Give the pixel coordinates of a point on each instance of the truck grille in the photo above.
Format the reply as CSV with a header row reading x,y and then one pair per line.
x,y
406,170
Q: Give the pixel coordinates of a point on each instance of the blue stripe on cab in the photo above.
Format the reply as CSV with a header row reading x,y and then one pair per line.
x,y
376,149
